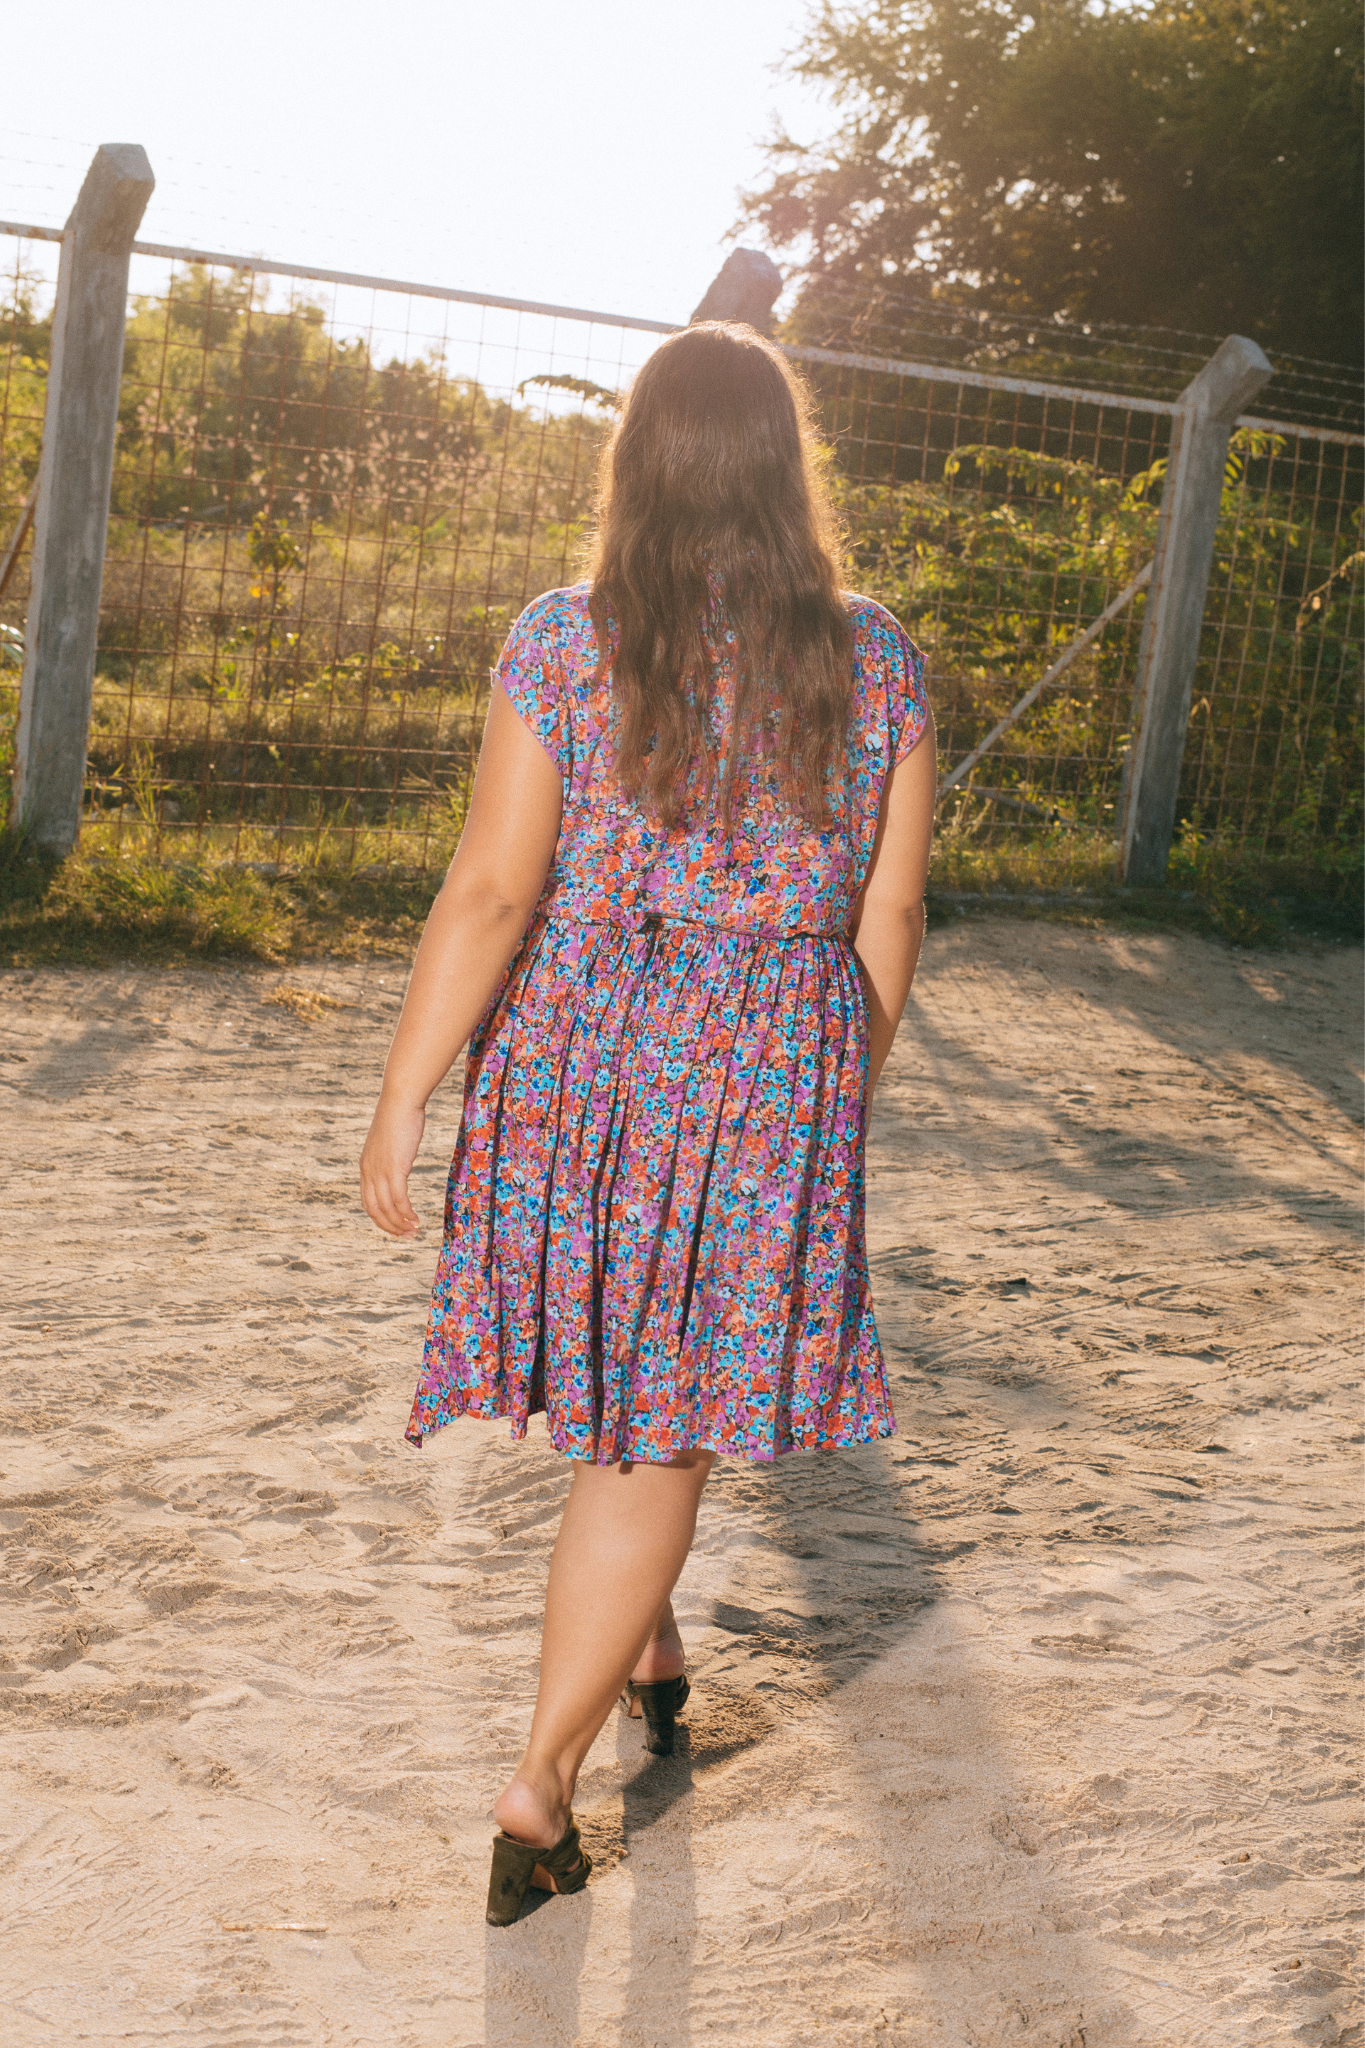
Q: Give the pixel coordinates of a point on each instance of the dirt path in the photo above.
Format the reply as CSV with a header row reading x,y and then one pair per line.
x,y
1033,1726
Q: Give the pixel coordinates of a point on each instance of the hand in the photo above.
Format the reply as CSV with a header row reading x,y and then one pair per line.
x,y
385,1164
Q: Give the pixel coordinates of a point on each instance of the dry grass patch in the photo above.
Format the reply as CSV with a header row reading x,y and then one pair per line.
x,y
308,1004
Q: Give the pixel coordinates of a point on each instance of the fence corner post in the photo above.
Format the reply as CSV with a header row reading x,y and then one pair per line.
x,y
75,474
1169,647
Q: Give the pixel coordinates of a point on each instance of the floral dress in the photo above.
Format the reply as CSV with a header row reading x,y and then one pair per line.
x,y
654,1221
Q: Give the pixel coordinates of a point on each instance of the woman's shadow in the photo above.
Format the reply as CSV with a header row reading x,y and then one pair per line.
x,y
532,1971
853,1616
532,1980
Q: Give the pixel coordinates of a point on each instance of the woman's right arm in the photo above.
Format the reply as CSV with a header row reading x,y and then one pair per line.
x,y
474,928
888,924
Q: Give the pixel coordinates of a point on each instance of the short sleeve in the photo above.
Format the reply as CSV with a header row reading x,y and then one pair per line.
x,y
915,713
530,671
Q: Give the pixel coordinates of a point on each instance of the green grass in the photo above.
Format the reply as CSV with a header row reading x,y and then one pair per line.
x,y
140,899
142,902
1212,887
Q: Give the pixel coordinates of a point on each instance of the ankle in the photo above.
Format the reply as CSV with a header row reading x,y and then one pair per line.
x,y
662,1657
535,1808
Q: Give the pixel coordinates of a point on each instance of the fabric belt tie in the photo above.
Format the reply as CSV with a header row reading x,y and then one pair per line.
x,y
658,920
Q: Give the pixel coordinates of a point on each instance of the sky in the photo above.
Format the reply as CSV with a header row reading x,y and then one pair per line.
x,y
587,155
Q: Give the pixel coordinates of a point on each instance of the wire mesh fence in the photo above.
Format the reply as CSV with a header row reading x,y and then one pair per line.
x,y
328,506
1147,362
999,517
23,389
998,525
331,498
1273,758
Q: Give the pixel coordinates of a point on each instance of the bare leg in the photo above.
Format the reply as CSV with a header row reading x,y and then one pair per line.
x,y
624,1539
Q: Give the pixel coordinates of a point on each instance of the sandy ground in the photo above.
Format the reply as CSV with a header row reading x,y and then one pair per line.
x,y
1036,1725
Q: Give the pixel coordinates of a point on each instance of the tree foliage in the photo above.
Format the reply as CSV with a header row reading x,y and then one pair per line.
x,y
1188,164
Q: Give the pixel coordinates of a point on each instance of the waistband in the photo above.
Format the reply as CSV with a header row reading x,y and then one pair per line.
x,y
662,920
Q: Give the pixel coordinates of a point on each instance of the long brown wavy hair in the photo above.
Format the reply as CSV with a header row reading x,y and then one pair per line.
x,y
712,511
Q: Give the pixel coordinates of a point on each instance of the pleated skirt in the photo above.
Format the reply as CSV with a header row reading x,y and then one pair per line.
x,y
654,1223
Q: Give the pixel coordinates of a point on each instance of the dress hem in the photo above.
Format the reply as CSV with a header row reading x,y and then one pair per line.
x,y
879,1429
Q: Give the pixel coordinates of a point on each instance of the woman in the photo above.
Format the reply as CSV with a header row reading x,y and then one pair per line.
x,y
678,936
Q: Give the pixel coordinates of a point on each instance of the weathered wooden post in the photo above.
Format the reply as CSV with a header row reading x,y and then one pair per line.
x,y
1169,647
74,476
744,288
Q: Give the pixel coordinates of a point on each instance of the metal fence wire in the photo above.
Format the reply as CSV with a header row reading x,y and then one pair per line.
x,y
1148,362
328,506
998,525
331,499
24,335
1273,758
1001,523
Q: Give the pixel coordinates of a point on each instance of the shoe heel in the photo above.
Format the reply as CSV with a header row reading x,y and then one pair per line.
x,y
661,1703
514,1866
510,1879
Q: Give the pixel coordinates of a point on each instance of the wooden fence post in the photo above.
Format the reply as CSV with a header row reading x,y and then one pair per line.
x,y
1169,647
74,477
745,288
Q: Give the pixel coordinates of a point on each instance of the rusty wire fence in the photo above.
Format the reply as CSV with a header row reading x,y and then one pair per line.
x,y
331,498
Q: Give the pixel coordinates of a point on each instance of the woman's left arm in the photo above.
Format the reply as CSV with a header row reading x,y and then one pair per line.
x,y
475,926
888,920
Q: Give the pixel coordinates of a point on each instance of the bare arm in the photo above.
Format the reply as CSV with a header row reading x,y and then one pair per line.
x,y
475,926
888,921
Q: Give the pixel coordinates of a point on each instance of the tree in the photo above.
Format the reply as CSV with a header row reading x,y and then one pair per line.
x,y
1187,164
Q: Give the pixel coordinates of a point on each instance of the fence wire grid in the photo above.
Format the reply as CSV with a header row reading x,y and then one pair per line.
x,y
999,524
330,501
1151,362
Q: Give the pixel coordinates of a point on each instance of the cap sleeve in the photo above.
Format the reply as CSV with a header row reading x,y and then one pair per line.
x,y
529,670
915,703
